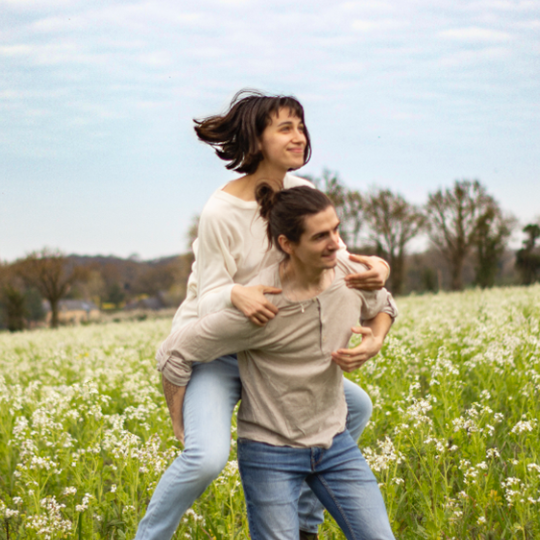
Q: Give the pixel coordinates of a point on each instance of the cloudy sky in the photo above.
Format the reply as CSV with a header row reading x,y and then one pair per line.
x,y
97,150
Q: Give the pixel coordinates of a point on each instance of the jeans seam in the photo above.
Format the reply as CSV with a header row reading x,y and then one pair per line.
x,y
315,463
338,506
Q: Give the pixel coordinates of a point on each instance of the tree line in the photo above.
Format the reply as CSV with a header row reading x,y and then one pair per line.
x,y
462,221
111,283
467,229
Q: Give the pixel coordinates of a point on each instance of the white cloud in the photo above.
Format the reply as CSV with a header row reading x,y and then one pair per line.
x,y
367,25
475,34
504,5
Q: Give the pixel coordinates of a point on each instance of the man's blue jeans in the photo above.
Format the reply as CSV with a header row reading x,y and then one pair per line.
x,y
339,476
211,395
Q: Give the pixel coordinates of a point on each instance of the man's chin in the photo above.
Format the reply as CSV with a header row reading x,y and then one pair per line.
x,y
330,262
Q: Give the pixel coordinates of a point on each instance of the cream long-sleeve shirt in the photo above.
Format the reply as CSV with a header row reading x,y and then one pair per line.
x,y
292,391
231,249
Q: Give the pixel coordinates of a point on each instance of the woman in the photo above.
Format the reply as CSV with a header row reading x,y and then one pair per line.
x,y
262,137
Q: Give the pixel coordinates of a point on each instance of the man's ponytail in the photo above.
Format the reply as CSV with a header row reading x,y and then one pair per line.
x,y
285,210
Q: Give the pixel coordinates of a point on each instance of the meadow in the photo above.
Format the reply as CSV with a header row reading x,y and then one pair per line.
x,y
454,437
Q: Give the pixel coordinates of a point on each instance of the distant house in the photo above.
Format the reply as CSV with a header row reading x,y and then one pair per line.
x,y
153,303
73,311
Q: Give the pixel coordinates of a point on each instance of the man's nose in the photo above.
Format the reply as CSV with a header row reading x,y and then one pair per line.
x,y
334,240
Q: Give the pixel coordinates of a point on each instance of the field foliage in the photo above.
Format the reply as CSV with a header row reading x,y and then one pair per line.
x,y
454,438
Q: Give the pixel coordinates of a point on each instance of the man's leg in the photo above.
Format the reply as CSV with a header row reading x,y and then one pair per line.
x,y
310,509
344,483
211,395
272,477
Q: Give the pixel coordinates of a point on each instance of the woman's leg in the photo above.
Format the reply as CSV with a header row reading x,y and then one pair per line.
x,y
344,483
359,408
211,395
310,509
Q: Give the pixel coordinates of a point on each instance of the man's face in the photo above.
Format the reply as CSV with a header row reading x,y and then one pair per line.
x,y
319,244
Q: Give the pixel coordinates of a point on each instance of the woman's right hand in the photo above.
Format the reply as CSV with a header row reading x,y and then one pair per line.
x,y
253,304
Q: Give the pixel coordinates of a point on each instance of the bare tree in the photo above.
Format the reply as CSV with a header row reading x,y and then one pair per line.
x,y
452,218
348,205
193,231
51,273
493,229
393,223
527,258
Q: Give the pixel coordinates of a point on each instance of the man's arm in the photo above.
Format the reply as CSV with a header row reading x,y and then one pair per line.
x,y
215,335
373,333
204,340
174,396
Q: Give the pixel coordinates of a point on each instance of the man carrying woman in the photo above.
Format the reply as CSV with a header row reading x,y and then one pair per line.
x,y
262,137
292,418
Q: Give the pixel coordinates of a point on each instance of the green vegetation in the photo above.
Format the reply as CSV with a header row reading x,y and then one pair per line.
x,y
454,438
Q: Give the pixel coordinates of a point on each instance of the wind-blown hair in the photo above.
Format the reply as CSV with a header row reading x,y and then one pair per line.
x,y
235,135
285,211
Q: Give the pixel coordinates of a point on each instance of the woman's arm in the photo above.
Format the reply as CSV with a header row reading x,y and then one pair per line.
x,y
217,266
253,304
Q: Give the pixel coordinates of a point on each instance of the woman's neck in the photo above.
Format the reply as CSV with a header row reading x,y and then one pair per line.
x,y
244,188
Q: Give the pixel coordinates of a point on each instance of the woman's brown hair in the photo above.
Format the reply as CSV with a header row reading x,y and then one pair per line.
x,y
235,135
285,210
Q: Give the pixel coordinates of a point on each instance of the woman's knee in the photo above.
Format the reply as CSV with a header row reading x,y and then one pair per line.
x,y
359,407
207,463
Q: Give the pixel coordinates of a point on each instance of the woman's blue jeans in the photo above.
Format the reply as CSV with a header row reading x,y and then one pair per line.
x,y
339,476
211,395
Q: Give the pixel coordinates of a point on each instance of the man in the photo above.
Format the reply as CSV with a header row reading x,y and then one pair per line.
x,y
291,422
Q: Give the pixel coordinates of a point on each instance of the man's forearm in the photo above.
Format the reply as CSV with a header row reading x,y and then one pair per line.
x,y
380,325
174,396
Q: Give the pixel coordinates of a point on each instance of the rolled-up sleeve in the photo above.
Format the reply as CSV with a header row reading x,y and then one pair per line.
x,y
375,302
224,332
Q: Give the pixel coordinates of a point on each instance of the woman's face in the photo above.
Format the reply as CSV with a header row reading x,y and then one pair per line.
x,y
283,142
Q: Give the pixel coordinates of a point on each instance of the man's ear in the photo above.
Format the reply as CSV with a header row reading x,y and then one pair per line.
x,y
285,244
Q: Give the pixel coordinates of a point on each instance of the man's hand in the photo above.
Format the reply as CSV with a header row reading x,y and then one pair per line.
x,y
174,396
253,304
372,279
350,359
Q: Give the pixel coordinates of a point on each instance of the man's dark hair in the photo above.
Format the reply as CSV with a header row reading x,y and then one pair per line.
x,y
235,134
286,210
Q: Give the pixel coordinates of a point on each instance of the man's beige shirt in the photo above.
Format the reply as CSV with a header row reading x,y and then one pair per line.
x,y
292,392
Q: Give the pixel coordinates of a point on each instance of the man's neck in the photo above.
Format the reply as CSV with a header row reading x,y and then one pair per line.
x,y
302,283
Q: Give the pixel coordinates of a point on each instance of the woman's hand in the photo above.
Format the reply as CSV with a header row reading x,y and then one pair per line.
x,y
372,279
253,304
350,359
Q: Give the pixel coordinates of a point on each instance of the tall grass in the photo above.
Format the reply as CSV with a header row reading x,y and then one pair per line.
x,y
454,437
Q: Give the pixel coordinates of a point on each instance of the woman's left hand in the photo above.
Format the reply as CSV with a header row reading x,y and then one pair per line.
x,y
350,359
372,279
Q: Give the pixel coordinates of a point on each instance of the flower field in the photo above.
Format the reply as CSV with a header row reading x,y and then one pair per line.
x,y
454,438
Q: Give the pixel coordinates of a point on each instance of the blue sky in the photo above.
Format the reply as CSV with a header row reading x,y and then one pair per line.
x,y
97,150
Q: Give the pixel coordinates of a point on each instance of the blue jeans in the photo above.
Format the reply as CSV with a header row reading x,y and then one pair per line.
x,y
211,395
339,476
